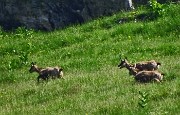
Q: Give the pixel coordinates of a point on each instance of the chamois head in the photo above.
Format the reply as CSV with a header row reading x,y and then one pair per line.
x,y
33,67
133,71
123,63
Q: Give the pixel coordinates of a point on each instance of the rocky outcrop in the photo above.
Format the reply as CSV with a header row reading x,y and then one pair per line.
x,y
53,14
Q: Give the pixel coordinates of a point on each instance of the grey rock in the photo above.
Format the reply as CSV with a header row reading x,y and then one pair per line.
x,y
54,14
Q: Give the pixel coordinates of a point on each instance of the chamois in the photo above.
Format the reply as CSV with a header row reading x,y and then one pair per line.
x,y
45,73
146,76
145,65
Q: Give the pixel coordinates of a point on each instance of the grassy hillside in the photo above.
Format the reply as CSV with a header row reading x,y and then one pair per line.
x,y
89,55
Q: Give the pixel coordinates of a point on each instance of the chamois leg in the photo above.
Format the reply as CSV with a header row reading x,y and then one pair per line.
x,y
156,80
38,78
44,77
58,76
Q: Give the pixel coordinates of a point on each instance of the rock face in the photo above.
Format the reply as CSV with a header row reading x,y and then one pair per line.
x,y
53,14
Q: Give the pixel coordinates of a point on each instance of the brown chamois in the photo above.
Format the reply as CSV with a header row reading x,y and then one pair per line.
x,y
146,76
145,65
45,73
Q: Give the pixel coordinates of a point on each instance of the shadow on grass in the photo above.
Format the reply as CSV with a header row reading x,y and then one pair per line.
x,y
143,17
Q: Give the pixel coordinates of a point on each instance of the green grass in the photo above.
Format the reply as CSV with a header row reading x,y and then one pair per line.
x,y
89,55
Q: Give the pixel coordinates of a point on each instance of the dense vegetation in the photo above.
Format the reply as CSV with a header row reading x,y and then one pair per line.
x,y
89,55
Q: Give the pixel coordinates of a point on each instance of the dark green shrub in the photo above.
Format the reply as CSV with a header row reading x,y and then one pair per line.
x,y
143,99
156,9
